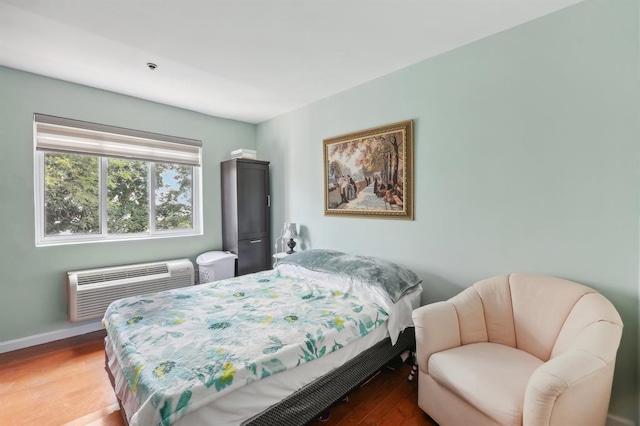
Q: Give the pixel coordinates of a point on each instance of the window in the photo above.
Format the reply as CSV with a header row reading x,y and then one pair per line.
x,y
102,183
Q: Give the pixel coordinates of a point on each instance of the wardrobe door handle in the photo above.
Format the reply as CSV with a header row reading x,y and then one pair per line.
x,y
254,241
268,200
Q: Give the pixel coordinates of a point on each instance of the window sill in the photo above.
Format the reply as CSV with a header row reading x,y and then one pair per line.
x,y
49,242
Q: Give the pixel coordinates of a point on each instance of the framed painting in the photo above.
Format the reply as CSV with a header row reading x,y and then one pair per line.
x,y
370,173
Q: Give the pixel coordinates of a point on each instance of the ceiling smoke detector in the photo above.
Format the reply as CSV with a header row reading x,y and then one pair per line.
x,y
152,66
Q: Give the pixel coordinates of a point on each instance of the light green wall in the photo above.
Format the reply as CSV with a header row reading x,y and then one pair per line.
x,y
32,299
527,149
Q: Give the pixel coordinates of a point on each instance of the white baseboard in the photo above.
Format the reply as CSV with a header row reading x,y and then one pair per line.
x,y
51,336
618,421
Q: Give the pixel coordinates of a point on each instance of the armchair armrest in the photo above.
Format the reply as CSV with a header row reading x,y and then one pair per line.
x,y
436,328
574,387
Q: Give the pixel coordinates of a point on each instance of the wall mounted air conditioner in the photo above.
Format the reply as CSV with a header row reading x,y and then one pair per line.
x,y
92,290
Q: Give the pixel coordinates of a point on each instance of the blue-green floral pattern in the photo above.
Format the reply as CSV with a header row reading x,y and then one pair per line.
x,y
183,348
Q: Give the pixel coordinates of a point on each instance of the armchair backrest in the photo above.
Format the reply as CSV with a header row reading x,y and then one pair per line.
x,y
539,314
594,326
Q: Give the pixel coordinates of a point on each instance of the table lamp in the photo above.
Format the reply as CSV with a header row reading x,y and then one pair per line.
x,y
290,232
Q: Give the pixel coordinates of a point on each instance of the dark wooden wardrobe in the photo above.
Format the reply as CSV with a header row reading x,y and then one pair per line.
x,y
245,213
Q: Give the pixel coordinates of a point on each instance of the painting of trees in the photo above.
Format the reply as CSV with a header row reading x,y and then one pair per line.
x,y
381,157
381,154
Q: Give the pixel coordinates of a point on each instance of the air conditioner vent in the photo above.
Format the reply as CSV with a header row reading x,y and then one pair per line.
x,y
121,273
91,291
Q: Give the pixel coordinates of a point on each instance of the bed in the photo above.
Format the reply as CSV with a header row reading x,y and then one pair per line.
x,y
275,346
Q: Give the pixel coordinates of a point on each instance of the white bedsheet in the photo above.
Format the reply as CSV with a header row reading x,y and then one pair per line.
x,y
249,401
399,313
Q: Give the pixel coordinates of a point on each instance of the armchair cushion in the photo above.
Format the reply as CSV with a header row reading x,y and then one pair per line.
x,y
489,376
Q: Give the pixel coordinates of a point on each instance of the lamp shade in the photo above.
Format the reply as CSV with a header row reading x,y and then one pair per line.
x,y
289,231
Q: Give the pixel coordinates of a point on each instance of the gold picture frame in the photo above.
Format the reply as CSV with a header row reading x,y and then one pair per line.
x,y
370,173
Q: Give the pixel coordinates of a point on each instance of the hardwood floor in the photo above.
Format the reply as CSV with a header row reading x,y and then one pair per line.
x,y
58,383
388,399
64,383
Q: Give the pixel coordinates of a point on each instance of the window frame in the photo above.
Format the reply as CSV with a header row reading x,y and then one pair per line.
x,y
41,239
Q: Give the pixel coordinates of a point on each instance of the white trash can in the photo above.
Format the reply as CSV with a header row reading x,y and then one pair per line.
x,y
216,266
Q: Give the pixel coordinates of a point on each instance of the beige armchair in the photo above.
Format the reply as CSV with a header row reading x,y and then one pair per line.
x,y
518,349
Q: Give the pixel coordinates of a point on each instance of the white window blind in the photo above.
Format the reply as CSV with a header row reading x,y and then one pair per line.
x,y
80,137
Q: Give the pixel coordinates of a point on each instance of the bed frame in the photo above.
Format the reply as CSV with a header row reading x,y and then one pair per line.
x,y
309,402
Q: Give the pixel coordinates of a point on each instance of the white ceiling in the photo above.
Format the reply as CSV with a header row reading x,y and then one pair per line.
x,y
248,60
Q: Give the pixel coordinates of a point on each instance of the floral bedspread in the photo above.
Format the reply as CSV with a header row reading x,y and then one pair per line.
x,y
183,348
